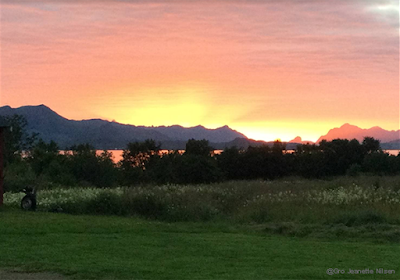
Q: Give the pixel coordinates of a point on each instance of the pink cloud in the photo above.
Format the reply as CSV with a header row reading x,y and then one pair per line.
x,y
268,51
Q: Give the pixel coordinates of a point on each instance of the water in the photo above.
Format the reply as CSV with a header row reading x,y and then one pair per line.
x,y
117,154
392,152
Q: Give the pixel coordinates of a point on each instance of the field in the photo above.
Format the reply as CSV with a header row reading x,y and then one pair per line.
x,y
343,200
284,229
97,247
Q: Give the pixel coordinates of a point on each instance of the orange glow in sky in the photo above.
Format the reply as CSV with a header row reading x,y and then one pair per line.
x,y
269,69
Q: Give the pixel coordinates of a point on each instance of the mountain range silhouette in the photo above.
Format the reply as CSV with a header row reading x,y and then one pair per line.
x,y
103,134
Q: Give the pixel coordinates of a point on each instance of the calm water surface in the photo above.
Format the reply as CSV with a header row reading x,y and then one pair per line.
x,y
117,154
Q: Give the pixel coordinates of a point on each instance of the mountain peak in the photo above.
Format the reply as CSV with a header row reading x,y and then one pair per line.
x,y
296,140
299,140
225,127
40,106
347,125
41,111
105,134
348,131
376,128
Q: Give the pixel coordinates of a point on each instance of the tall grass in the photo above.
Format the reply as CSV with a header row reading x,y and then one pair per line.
x,y
344,200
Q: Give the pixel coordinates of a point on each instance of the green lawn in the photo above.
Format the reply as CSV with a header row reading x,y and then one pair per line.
x,y
100,247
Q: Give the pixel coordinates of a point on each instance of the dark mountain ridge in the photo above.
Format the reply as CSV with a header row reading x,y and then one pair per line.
x,y
108,135
104,134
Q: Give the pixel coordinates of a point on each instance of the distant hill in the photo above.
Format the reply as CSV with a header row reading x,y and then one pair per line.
x,y
108,135
298,140
348,131
240,143
179,133
103,134
392,145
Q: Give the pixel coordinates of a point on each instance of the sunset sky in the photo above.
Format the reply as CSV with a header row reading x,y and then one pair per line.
x,y
269,69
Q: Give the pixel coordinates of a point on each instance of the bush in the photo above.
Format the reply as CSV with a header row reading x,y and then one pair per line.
x,y
354,170
146,205
257,211
380,163
85,165
195,169
17,176
106,203
361,218
59,174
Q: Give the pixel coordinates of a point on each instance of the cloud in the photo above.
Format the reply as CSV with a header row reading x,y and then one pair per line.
x,y
256,35
257,53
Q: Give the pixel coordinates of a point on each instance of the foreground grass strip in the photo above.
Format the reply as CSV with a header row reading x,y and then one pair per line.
x,y
95,247
347,200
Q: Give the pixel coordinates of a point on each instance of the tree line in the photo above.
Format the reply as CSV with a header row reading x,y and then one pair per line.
x,y
30,160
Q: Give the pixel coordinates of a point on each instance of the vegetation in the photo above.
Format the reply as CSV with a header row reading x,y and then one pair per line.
x,y
239,214
16,139
362,206
98,247
143,163
197,185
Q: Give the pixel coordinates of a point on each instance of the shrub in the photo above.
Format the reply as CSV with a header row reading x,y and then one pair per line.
x,y
304,201
85,165
361,218
380,163
59,174
146,205
195,169
18,175
188,212
106,203
354,170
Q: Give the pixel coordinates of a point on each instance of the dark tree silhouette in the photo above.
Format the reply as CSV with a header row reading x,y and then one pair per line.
x,y
371,145
198,147
17,139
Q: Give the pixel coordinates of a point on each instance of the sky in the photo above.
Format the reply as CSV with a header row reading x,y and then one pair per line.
x,y
271,69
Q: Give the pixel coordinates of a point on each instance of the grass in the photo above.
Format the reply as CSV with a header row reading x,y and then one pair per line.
x,y
351,201
111,247
342,208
